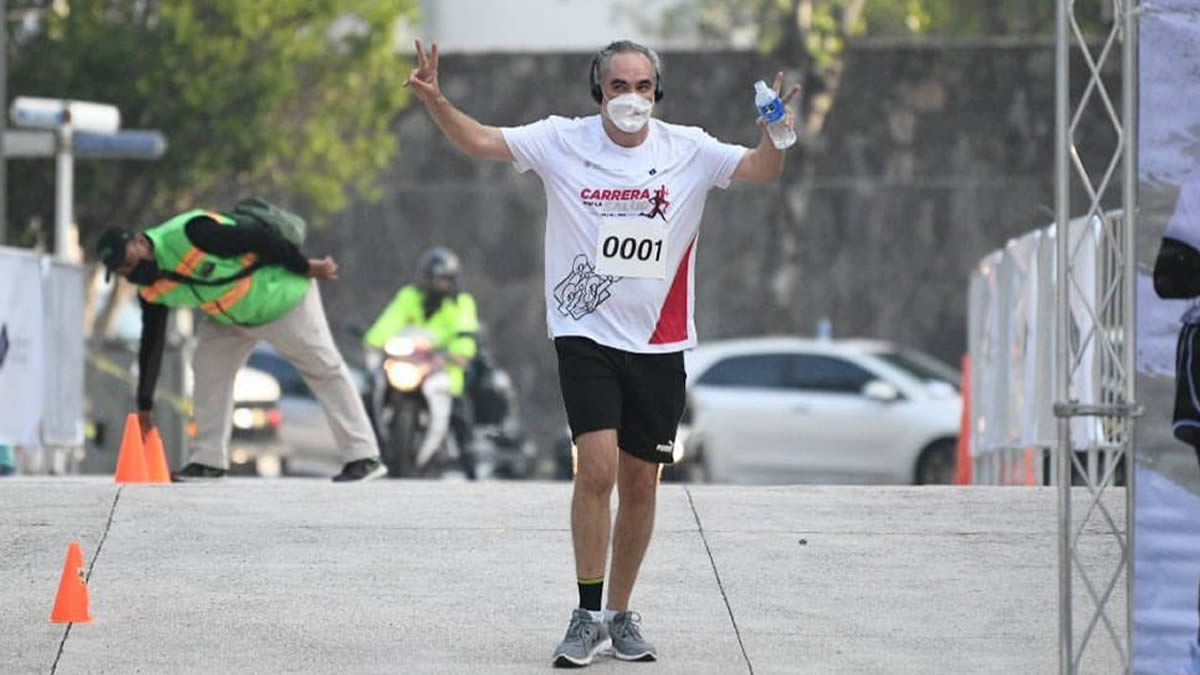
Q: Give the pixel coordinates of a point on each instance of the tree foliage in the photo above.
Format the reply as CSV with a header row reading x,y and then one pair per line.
x,y
287,97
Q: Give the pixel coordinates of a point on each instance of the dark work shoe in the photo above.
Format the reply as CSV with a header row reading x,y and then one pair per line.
x,y
197,472
361,469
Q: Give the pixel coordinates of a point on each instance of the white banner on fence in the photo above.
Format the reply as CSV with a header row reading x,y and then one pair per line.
x,y
1041,427
1022,256
1082,328
986,357
62,414
22,361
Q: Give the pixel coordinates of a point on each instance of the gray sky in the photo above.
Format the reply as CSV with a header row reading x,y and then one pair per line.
x,y
541,25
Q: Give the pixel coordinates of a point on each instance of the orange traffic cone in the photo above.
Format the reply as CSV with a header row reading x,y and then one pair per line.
x,y
71,603
962,468
156,459
131,463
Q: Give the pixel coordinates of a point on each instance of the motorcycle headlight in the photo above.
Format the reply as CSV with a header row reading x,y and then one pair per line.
x,y
405,346
399,347
403,375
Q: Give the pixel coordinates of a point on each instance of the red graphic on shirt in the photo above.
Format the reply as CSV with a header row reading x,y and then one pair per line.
x,y
659,203
673,317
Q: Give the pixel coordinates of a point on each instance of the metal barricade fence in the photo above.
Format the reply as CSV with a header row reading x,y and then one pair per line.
x,y
1011,336
41,357
64,398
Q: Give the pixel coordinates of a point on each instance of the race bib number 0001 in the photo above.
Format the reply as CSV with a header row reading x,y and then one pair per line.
x,y
627,248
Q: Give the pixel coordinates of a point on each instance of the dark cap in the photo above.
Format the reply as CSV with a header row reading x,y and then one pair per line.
x,y
110,249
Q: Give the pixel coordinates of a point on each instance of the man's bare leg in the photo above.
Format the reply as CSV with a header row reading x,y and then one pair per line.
x,y
591,518
637,486
595,475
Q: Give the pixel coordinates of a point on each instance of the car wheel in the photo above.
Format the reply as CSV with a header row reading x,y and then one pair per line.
x,y
936,464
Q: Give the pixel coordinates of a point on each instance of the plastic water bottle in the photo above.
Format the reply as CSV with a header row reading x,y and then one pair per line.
x,y
772,110
824,328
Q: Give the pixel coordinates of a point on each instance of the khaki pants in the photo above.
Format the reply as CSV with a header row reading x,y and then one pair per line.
x,y
302,336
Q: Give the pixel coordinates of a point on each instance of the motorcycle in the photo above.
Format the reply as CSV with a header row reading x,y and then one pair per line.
x,y
502,443
408,399
410,403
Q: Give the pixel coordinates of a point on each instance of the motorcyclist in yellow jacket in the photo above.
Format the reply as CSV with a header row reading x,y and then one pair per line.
x,y
436,304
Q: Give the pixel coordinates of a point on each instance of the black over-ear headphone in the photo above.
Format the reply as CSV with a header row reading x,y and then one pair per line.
x,y
624,46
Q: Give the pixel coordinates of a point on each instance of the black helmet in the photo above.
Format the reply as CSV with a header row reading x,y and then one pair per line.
x,y
437,263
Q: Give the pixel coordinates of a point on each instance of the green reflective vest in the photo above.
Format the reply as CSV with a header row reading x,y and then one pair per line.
x,y
261,297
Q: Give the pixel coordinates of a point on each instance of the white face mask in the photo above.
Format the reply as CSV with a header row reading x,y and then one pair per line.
x,y
630,112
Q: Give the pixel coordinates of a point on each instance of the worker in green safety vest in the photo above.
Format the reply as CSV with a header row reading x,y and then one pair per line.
x,y
251,284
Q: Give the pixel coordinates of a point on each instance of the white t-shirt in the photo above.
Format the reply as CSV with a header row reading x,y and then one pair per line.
x,y
621,227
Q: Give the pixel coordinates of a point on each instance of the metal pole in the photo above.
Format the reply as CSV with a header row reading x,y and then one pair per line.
x,y
64,190
1062,217
1129,199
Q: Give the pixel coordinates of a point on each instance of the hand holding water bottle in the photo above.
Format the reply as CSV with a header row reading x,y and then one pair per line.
x,y
773,113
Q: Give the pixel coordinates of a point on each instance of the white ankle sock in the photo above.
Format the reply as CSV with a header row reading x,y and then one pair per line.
x,y
609,614
597,615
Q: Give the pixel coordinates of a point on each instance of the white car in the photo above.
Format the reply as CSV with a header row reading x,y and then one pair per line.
x,y
795,410
305,430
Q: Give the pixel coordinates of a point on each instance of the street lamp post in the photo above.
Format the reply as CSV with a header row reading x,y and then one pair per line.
x,y
70,129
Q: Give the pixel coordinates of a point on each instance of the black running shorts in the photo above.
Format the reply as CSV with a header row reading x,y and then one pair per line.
x,y
1186,421
640,395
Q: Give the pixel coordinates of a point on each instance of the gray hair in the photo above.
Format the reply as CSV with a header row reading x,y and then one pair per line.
x,y
601,63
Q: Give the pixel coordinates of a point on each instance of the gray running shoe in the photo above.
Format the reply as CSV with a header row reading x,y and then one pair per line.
x,y
585,638
627,641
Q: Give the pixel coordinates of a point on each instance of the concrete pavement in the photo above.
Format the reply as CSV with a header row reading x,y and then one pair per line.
x,y
304,576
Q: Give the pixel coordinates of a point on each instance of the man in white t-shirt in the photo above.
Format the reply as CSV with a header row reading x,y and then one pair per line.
x,y
624,193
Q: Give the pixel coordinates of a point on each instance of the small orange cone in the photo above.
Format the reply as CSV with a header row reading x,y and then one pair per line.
x,y
131,462
71,603
156,459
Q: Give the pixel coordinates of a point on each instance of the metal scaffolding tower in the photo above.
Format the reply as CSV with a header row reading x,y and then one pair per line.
x,y
1094,379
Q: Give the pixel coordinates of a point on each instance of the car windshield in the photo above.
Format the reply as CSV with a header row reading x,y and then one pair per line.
x,y
921,366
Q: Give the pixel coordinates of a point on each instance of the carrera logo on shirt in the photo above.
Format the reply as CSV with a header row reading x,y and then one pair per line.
x,y
627,201
599,195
